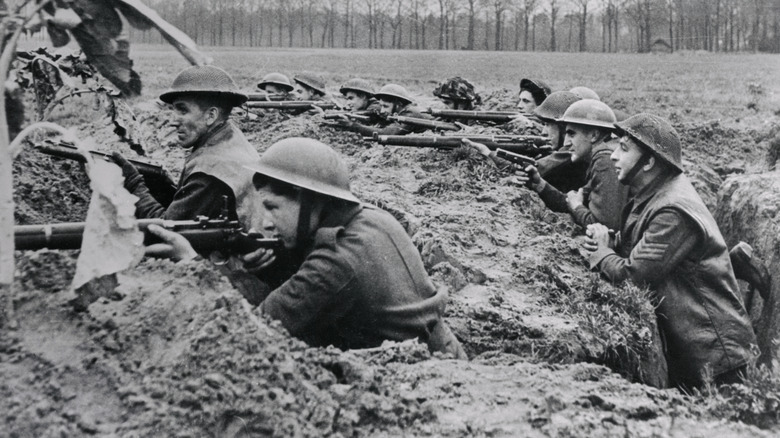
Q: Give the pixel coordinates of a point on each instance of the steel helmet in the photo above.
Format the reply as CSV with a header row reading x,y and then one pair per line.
x,y
311,80
555,105
589,112
585,93
276,79
205,80
457,88
538,89
394,91
357,84
656,134
308,164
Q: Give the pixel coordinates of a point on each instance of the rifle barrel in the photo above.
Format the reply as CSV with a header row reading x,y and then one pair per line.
x,y
64,150
516,145
202,237
491,116
264,97
291,104
425,123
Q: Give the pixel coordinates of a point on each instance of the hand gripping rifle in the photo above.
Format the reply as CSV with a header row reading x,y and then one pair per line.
x,y
205,235
519,144
291,105
157,179
434,125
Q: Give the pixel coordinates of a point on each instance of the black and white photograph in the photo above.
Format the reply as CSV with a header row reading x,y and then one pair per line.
x,y
389,218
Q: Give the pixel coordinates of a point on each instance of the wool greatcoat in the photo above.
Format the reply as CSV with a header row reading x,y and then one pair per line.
x,y
362,282
670,242
213,171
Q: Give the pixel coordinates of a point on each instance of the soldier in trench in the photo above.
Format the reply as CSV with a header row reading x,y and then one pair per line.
x,y
669,241
361,282
202,98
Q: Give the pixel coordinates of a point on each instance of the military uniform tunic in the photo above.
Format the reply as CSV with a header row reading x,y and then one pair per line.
x,y
670,242
213,170
361,283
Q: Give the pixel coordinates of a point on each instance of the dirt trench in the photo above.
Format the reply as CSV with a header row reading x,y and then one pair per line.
x,y
176,351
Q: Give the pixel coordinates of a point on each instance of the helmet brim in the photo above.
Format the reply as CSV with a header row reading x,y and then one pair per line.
x,y
287,87
235,99
302,182
625,131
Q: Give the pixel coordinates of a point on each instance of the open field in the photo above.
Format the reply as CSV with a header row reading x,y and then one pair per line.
x,y
554,350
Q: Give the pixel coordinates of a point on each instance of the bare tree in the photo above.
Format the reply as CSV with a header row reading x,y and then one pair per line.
x,y
554,9
472,21
396,24
583,23
499,7
528,8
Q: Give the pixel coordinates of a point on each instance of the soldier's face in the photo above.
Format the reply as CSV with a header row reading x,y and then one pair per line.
x,y
625,157
386,108
303,93
357,101
279,216
526,104
580,140
274,89
191,122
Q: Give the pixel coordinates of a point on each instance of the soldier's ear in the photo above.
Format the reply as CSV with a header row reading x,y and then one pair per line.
x,y
651,162
213,114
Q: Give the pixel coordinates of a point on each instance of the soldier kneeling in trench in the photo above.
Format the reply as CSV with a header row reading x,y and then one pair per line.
x,y
361,281
669,241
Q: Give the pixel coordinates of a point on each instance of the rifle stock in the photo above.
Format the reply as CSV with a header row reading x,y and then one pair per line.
x,y
425,123
292,105
205,235
156,177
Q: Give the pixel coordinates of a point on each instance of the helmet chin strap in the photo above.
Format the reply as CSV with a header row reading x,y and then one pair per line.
x,y
306,201
640,163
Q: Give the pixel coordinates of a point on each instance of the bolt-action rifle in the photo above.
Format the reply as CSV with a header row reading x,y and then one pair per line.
x,y
483,116
522,144
360,116
157,179
487,116
205,235
519,159
292,105
434,125
265,97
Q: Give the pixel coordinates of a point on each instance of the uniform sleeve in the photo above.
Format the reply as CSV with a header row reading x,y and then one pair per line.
x,y
554,199
603,192
668,240
314,295
200,195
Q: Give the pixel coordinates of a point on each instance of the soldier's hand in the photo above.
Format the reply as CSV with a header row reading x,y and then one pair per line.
x,y
258,260
531,177
597,236
575,199
128,170
479,147
174,245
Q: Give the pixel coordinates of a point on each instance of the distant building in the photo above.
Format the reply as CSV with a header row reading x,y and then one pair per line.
x,y
661,46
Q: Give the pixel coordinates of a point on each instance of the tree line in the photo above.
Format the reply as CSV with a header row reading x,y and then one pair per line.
x,y
509,25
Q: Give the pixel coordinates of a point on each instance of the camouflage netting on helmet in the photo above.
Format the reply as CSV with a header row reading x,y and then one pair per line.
x,y
458,88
